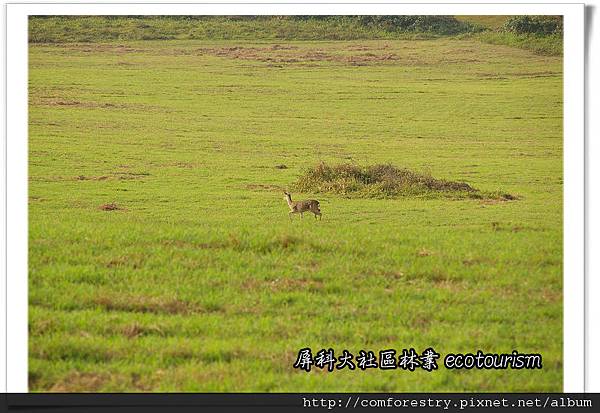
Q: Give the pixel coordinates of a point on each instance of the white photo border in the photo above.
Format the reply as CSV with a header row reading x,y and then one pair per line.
x,y
17,147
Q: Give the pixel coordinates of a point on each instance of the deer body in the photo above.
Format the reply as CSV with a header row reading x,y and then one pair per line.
x,y
300,207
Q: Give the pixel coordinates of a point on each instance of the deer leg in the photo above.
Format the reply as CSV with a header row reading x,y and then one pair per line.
x,y
290,215
301,214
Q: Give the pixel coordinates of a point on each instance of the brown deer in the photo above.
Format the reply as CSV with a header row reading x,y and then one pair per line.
x,y
300,207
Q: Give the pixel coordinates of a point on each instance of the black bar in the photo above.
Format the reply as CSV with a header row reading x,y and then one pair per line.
x,y
293,402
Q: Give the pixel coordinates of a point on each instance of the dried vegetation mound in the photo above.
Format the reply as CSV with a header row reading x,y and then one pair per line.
x,y
385,181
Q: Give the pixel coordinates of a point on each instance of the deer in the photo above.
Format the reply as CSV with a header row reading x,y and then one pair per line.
x,y
300,207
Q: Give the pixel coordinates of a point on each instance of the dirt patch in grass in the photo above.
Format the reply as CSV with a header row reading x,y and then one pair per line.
x,y
369,58
389,275
130,175
81,382
134,261
282,47
451,285
424,252
110,207
366,47
384,181
122,176
264,187
92,178
436,276
281,54
144,304
284,284
36,199
498,226
551,296
137,330
72,103
40,327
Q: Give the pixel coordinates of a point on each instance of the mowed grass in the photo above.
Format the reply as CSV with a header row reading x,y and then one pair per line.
x,y
199,281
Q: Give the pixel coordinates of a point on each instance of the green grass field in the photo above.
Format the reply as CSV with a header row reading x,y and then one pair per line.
x,y
199,281
541,44
490,22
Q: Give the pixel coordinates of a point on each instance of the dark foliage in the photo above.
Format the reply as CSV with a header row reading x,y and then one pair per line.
x,y
542,25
